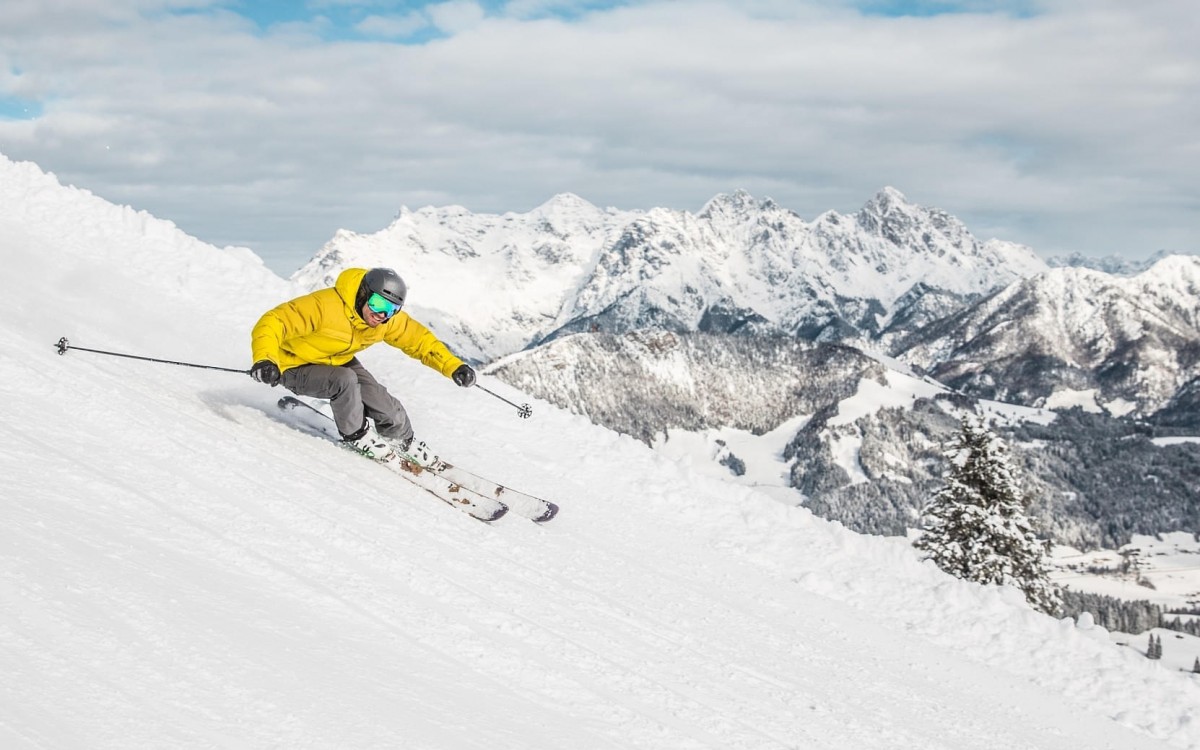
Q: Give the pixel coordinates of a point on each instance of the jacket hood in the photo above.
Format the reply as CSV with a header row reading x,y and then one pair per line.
x,y
347,285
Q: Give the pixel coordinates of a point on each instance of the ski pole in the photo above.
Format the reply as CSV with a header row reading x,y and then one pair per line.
x,y
523,411
63,345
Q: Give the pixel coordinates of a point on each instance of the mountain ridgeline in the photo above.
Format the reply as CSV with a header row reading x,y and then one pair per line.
x,y
745,315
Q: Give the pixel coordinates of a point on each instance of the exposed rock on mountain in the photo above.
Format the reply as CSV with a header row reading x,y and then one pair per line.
x,y
645,382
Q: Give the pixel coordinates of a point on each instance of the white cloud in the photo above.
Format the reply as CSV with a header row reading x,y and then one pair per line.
x,y
456,16
394,27
1070,130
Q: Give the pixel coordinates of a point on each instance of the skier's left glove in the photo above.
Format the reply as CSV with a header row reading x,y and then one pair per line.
x,y
464,376
265,371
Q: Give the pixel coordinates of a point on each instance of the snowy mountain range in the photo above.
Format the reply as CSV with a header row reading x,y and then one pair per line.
x,y
738,265
989,318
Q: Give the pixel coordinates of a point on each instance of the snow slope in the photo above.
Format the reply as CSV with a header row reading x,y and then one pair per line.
x,y
179,568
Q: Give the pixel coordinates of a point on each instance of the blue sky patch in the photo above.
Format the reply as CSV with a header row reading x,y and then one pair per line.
x,y
16,108
403,20
928,8
339,20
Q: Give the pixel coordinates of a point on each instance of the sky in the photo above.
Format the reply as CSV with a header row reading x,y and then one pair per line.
x,y
1066,126
187,567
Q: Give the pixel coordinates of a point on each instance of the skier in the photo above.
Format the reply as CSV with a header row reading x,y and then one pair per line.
x,y
309,343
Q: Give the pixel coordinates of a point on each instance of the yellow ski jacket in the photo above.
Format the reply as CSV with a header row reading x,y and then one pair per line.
x,y
323,328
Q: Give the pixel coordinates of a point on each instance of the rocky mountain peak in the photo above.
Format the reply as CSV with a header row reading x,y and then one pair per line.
x,y
888,200
739,203
565,204
892,217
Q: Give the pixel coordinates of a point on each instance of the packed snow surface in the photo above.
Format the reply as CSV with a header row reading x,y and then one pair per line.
x,y
179,567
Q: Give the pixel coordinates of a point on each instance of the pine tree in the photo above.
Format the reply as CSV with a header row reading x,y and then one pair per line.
x,y
976,527
1155,649
1196,666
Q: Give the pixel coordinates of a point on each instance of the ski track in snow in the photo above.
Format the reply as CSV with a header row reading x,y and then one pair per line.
x,y
179,567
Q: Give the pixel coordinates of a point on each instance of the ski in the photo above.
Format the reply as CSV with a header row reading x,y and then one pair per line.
x,y
523,504
479,507
520,503
472,503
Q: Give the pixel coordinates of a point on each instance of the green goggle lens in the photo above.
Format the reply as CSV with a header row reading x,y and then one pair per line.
x,y
382,305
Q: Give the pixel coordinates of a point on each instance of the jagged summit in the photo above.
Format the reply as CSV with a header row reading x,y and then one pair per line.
x,y
739,202
891,216
887,200
563,203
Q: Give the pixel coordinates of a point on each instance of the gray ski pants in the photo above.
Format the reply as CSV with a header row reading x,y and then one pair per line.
x,y
353,393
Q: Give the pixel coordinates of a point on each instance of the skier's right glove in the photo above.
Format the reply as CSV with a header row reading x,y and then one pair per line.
x,y
265,371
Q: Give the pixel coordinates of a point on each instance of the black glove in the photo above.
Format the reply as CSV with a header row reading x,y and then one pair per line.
x,y
266,371
464,376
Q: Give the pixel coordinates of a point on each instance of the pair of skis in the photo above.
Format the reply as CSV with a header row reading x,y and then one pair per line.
x,y
477,496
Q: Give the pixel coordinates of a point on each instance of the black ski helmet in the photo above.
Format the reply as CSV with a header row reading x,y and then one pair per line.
x,y
382,281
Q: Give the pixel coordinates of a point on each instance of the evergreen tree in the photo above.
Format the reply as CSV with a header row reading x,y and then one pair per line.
x,y
976,527
1155,649
1196,666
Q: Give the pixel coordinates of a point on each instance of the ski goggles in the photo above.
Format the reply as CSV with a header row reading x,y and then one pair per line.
x,y
381,305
